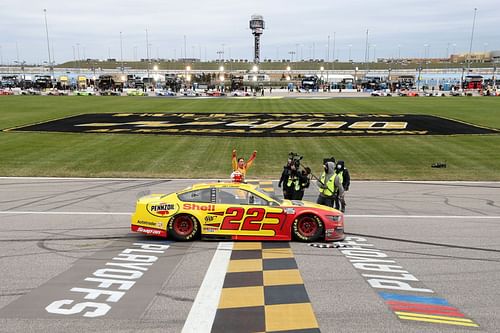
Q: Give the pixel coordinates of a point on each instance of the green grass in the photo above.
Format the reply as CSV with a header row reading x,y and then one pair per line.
x,y
468,157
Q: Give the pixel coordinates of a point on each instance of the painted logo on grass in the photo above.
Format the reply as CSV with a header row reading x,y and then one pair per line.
x,y
258,124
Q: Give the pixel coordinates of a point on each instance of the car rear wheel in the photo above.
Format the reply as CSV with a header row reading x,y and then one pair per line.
x,y
307,228
183,227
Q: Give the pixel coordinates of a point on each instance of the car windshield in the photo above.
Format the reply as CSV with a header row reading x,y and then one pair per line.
x,y
269,194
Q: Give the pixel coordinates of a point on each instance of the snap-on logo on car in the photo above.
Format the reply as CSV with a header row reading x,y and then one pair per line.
x,y
161,209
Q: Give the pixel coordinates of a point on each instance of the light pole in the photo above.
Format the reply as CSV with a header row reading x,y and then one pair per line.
x,y
121,51
321,69
367,51
289,78
187,74
493,78
350,48
221,78
471,38
389,79
48,44
419,77
462,79
333,54
356,77
328,50
147,52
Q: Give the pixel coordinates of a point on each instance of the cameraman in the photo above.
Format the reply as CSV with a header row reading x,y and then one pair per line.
x,y
294,181
284,179
303,183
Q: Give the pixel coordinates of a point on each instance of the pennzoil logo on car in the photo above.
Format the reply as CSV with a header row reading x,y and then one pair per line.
x,y
161,209
259,124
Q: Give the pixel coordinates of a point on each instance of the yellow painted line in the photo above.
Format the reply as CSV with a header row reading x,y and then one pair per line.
x,y
281,277
283,317
241,297
439,321
268,189
436,319
266,182
411,314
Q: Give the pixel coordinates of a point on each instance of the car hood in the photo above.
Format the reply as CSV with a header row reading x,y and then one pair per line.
x,y
307,204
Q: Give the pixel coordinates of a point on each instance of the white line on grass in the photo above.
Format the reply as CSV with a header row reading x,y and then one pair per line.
x,y
202,314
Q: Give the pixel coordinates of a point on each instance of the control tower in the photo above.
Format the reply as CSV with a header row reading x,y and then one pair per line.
x,y
257,26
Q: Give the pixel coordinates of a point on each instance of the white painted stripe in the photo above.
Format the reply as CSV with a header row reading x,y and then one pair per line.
x,y
62,213
202,314
356,216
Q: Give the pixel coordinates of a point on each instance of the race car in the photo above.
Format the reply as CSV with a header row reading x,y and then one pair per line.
x,y
215,93
6,92
191,93
234,211
240,93
87,92
408,93
136,92
165,93
109,93
381,93
56,92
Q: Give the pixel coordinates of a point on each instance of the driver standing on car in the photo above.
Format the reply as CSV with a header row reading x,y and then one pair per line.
x,y
240,165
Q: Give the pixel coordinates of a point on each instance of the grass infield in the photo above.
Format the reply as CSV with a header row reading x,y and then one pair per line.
x,y
468,157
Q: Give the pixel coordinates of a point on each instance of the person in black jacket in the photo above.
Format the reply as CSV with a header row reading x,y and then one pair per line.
x,y
342,171
284,180
304,181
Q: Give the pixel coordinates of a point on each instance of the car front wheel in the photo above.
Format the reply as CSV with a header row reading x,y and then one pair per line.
x,y
307,228
182,227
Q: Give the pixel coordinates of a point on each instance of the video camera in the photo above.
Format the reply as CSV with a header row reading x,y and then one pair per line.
x,y
294,159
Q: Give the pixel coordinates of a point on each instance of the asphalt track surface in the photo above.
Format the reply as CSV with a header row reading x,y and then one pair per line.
x,y
54,233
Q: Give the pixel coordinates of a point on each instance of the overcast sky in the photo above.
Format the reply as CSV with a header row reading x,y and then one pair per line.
x,y
92,28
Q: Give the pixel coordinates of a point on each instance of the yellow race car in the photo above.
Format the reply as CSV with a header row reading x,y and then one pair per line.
x,y
234,211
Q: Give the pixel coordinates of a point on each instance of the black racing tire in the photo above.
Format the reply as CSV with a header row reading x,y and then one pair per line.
x,y
308,228
183,227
